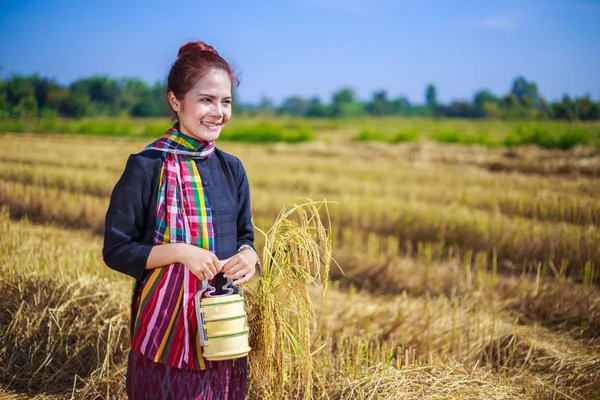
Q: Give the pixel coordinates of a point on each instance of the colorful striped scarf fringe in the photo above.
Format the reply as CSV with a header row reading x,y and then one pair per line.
x,y
164,326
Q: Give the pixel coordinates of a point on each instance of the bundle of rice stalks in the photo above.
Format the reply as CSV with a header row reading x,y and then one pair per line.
x,y
296,253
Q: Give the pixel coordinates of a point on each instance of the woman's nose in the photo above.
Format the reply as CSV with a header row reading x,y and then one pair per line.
x,y
217,110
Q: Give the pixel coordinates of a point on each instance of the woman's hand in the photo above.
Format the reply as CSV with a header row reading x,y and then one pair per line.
x,y
201,262
241,266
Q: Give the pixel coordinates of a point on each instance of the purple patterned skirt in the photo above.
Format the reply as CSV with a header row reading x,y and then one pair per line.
x,y
222,380
149,380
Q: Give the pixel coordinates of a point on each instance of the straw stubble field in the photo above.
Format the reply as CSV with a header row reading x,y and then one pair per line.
x,y
467,272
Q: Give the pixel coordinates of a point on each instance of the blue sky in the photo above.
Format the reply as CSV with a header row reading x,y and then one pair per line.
x,y
314,47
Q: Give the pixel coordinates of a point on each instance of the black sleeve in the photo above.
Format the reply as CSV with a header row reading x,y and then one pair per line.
x,y
126,217
245,229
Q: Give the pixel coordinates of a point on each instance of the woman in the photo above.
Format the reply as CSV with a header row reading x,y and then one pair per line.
x,y
179,214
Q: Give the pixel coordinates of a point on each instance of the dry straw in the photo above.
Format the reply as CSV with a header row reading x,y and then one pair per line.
x,y
442,380
297,252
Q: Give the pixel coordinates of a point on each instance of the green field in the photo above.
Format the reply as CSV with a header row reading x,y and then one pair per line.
x,y
393,130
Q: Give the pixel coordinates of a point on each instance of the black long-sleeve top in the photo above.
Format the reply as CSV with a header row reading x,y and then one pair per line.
x,y
131,215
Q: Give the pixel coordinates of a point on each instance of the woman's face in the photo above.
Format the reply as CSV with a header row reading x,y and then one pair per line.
x,y
206,108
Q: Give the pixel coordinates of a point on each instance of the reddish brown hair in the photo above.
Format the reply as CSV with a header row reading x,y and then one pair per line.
x,y
194,60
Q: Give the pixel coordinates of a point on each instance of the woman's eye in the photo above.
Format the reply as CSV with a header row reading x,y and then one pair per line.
x,y
205,99
227,101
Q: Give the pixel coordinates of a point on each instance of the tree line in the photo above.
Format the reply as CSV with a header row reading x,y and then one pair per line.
x,y
34,96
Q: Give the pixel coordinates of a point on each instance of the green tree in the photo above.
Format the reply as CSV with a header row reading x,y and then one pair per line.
x,y
522,89
431,98
483,103
4,108
401,106
17,88
294,105
343,101
76,105
491,109
104,93
42,87
27,108
317,109
353,109
586,110
266,105
135,93
510,106
55,97
158,94
544,108
145,107
564,109
380,104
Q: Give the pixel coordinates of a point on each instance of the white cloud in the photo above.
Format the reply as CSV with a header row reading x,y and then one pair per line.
x,y
498,22
352,6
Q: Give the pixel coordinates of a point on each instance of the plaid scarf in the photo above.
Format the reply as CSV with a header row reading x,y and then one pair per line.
x,y
165,328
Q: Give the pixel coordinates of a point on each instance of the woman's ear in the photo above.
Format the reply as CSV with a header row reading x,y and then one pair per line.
x,y
173,102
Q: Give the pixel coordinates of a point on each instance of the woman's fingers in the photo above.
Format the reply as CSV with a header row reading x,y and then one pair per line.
x,y
199,274
203,263
237,270
230,263
241,270
235,267
208,274
245,279
227,263
208,268
231,266
216,265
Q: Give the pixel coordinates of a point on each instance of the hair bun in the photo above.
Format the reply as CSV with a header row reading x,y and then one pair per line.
x,y
193,46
